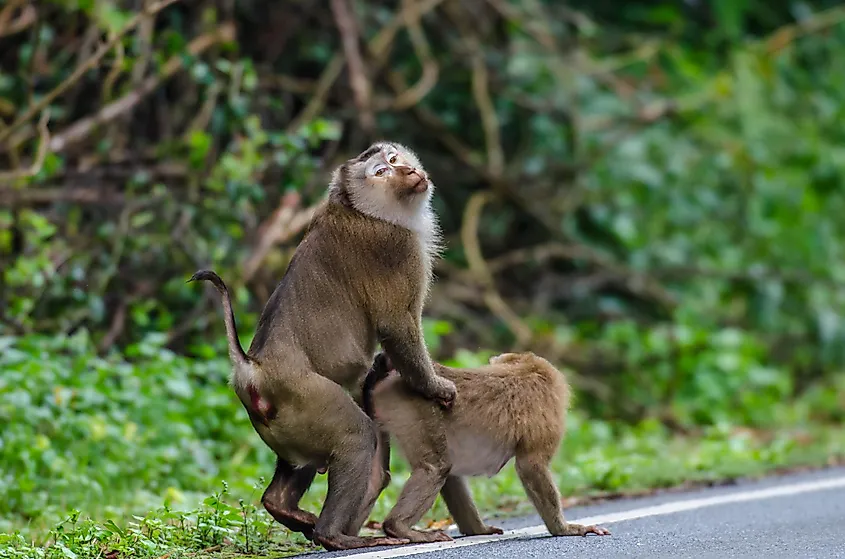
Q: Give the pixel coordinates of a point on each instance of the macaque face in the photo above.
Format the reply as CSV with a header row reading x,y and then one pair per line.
x,y
392,170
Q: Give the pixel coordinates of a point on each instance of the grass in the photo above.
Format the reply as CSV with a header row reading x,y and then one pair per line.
x,y
595,462
117,456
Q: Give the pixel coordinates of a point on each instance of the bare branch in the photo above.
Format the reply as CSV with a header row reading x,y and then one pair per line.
x,y
27,17
82,69
348,28
81,128
145,41
430,68
492,298
6,14
114,73
40,155
378,47
489,119
285,222
93,196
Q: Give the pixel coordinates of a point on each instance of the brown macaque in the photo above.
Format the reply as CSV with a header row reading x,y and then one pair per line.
x,y
359,278
513,407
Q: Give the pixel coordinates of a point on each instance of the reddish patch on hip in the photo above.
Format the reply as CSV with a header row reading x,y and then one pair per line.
x,y
261,406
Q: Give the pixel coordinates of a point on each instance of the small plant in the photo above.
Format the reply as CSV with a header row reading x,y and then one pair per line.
x,y
215,526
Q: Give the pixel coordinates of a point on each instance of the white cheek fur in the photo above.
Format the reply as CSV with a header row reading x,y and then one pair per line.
x,y
374,198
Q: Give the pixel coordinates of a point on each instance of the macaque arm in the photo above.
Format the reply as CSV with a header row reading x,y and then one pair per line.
x,y
459,501
401,336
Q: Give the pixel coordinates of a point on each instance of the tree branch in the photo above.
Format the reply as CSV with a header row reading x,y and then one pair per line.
x,y
477,265
348,28
82,69
81,128
40,155
378,47
27,17
286,222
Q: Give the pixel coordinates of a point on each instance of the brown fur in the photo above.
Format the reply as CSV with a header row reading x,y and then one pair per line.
x,y
359,277
513,407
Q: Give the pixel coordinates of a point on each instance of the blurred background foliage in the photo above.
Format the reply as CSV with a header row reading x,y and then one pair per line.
x,y
649,193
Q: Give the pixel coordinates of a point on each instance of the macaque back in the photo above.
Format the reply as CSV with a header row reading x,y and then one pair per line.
x,y
512,403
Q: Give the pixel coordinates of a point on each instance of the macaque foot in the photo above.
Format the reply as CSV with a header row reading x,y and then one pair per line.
x,y
295,520
489,531
582,530
341,542
419,536
415,536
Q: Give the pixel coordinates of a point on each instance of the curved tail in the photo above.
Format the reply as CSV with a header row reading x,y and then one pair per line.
x,y
236,352
380,368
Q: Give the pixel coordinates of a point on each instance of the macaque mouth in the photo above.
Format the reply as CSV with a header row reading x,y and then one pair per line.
x,y
416,182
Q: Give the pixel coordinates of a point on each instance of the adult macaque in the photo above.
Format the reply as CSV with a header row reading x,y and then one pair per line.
x,y
514,406
359,277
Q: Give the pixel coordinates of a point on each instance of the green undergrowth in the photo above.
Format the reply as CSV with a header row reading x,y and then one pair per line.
x,y
116,456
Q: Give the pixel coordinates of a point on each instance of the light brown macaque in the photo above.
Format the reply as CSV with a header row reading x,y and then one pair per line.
x,y
358,278
513,407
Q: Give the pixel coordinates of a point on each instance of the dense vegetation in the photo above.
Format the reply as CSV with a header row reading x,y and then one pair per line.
x,y
649,194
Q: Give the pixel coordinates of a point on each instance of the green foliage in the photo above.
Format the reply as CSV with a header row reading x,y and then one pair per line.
x,y
703,377
239,530
82,429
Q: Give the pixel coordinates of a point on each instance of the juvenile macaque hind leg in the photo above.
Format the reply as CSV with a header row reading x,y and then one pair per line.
x,y
535,476
282,496
417,497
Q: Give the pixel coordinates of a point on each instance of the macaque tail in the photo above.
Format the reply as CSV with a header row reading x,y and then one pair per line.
x,y
380,368
236,352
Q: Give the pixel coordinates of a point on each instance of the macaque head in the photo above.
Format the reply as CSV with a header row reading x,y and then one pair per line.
x,y
393,168
386,181
525,357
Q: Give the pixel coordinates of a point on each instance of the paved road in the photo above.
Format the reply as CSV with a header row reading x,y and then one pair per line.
x,y
794,516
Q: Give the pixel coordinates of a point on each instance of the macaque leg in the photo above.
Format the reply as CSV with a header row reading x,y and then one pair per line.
x,y
533,471
417,497
459,501
379,480
282,496
349,474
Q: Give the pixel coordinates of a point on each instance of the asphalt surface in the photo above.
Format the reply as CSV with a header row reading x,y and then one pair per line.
x,y
807,524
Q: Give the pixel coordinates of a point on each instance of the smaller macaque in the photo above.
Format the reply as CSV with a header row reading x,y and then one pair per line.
x,y
513,407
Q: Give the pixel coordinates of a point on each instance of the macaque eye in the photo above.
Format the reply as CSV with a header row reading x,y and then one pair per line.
x,y
380,171
392,159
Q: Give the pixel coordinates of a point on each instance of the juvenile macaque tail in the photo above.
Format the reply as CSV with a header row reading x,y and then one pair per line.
x,y
236,352
380,368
